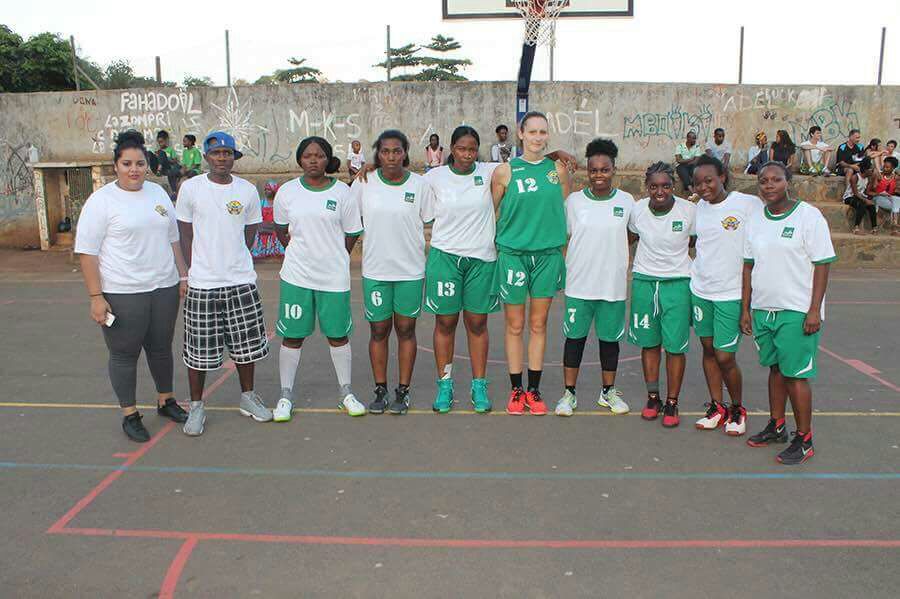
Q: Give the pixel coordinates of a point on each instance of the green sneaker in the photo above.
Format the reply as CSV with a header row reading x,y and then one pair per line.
x,y
443,403
804,169
480,399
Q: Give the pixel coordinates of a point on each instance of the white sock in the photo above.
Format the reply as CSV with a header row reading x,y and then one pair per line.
x,y
288,362
342,358
448,372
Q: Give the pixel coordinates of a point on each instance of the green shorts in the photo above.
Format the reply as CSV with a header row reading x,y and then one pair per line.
x,y
661,314
719,320
781,342
608,319
382,299
539,275
454,283
298,308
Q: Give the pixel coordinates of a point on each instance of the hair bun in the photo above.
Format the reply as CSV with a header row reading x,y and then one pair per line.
x,y
130,136
334,165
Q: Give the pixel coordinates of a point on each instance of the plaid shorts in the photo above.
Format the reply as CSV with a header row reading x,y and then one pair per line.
x,y
229,317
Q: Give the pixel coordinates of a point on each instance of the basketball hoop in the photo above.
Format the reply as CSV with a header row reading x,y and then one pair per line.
x,y
540,19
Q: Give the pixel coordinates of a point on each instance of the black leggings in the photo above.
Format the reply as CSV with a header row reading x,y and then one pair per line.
x,y
573,352
143,321
860,209
686,174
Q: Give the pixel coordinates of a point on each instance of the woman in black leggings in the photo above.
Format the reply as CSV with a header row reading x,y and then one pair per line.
x,y
127,239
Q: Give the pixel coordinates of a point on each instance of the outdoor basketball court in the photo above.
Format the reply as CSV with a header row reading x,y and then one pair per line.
x,y
439,506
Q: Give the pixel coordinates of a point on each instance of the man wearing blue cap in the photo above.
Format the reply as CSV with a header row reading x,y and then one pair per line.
x,y
218,214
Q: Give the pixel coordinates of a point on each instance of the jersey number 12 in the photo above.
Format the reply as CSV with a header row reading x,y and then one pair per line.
x,y
526,186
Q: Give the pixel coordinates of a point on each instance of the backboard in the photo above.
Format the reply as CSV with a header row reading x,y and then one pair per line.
x,y
503,9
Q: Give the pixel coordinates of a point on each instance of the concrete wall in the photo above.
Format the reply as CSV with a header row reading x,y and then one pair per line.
x,y
646,120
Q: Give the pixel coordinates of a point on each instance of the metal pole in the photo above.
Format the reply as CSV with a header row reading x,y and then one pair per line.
x,y
881,56
741,59
552,58
75,62
388,52
158,72
227,60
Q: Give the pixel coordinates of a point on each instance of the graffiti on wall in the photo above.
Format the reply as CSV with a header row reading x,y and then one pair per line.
x,y
672,125
148,112
16,179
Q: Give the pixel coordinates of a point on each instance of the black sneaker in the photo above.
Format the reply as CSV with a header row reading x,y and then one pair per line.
x,y
400,405
770,434
172,411
653,408
380,403
800,450
134,428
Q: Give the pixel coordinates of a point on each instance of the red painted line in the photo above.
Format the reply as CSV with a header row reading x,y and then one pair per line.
x,y
493,543
860,366
170,582
122,455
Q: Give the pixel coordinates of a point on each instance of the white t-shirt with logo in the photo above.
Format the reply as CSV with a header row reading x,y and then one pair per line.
x,y
393,216
318,221
662,252
815,149
462,211
219,213
597,257
719,151
131,233
356,160
784,250
718,263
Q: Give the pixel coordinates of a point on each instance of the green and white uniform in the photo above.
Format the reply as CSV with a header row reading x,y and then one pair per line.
x,y
597,264
717,266
459,273
531,231
660,286
784,251
393,264
315,275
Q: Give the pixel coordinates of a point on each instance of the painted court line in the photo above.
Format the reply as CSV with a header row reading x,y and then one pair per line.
x,y
459,475
167,589
860,366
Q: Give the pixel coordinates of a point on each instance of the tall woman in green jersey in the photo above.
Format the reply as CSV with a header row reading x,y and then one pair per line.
x,y
529,192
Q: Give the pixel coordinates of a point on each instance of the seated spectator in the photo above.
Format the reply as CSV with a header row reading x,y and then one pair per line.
x,y
783,150
890,149
719,148
266,244
191,158
686,156
758,154
855,196
167,161
355,158
816,154
874,151
434,153
884,190
848,156
503,149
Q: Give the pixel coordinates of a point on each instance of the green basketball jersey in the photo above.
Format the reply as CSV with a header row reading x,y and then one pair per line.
x,y
532,214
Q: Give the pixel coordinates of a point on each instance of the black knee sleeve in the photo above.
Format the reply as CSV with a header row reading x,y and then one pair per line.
x,y
573,352
609,355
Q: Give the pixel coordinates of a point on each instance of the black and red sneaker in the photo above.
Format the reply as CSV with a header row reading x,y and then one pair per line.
x,y
773,433
800,450
653,408
670,414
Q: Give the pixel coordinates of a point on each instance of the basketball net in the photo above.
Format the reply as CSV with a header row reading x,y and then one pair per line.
x,y
540,19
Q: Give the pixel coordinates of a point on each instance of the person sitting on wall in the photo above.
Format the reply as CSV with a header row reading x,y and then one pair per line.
x,y
356,160
890,149
758,154
875,153
191,158
719,148
848,156
502,150
783,150
816,154
167,161
884,190
686,156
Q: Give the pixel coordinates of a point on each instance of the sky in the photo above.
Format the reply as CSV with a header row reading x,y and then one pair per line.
x,y
786,41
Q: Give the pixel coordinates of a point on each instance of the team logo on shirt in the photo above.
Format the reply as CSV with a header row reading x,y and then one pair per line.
x,y
788,233
410,197
331,205
234,207
677,226
479,180
618,211
553,177
730,223
162,211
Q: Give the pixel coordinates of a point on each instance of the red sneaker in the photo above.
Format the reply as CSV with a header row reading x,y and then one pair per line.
x,y
670,414
716,415
652,409
535,404
516,404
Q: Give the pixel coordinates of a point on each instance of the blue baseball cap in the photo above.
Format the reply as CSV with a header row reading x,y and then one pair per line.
x,y
220,139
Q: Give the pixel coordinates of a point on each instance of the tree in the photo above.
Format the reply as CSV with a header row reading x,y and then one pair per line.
x,y
439,68
119,74
10,44
300,73
191,81
240,82
403,58
45,64
266,80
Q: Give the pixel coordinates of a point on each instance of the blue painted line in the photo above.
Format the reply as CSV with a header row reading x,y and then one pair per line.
x,y
376,474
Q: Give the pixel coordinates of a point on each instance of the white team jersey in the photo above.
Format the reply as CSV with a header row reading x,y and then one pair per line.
x,y
662,251
784,250
597,258
393,217
721,228
463,211
318,220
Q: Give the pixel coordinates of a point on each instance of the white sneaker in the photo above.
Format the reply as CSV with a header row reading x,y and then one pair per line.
x,y
566,404
612,399
352,405
283,409
715,417
737,421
